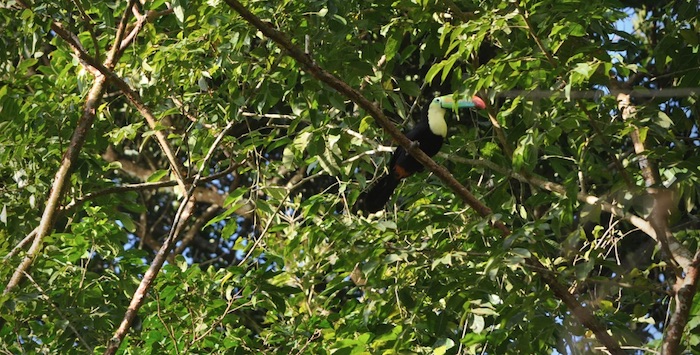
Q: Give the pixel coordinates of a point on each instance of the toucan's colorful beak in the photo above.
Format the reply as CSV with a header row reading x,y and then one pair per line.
x,y
474,102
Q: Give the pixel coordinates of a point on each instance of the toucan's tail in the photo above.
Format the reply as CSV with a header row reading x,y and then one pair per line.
x,y
376,198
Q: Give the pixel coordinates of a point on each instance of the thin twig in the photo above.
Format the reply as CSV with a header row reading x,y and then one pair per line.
x,y
140,187
167,327
223,315
534,36
20,245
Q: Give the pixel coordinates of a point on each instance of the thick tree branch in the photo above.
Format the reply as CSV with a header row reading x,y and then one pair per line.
x,y
105,70
685,289
583,314
675,254
161,138
685,286
102,72
183,213
62,176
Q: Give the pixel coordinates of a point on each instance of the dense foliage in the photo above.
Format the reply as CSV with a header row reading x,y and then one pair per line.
x,y
591,134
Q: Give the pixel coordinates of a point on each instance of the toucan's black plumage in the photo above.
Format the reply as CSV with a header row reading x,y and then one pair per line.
x,y
429,134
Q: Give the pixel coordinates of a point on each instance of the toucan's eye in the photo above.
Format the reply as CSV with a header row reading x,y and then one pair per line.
x,y
437,100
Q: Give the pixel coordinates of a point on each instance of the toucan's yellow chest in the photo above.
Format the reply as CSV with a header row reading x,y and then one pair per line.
x,y
436,121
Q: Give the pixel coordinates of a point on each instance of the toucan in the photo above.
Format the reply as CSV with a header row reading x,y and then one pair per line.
x,y
429,134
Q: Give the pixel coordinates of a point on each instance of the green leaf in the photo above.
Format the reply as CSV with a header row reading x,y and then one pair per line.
x,y
444,260
576,30
157,175
433,71
366,123
583,269
410,88
235,196
179,10
442,346
663,121
392,46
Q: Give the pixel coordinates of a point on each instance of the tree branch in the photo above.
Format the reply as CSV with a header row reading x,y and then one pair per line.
x,y
105,70
138,187
61,178
675,254
534,36
583,314
685,289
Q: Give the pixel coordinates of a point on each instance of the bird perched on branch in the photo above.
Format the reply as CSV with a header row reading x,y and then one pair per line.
x,y
429,134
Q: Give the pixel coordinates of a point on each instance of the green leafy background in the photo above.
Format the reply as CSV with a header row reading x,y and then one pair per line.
x,y
276,262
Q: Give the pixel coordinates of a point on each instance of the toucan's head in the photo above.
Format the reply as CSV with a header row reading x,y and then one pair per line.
x,y
439,106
